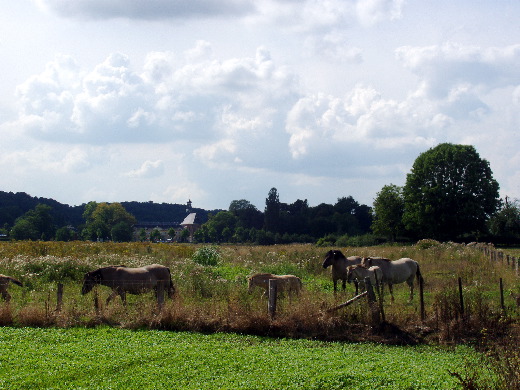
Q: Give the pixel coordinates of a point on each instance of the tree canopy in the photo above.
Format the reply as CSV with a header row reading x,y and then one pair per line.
x,y
449,192
388,212
105,221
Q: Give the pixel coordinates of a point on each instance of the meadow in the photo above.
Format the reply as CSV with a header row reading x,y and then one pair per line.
x,y
212,298
110,358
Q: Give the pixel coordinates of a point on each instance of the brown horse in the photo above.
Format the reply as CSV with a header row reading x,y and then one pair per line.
x,y
339,267
122,280
286,283
4,282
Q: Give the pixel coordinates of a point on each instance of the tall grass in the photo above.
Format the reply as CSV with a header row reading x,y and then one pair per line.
x,y
212,291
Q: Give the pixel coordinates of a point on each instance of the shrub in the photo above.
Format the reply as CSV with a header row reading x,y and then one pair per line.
x,y
207,255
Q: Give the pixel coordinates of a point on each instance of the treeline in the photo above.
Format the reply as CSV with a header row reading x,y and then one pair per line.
x,y
345,222
449,195
26,217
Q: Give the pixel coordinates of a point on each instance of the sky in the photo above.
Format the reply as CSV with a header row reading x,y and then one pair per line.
x,y
215,101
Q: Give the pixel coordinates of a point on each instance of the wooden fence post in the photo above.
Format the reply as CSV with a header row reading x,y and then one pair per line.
x,y
502,304
96,301
273,289
372,303
59,298
421,296
160,294
461,298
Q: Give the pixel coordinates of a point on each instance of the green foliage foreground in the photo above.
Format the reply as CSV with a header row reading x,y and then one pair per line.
x,y
108,358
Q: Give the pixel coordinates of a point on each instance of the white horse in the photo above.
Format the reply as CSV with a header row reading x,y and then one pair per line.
x,y
395,272
361,272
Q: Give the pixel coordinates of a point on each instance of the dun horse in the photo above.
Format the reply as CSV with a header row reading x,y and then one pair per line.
x,y
4,282
122,280
395,272
285,283
339,267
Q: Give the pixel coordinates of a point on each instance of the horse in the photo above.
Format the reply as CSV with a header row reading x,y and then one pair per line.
x,y
122,280
359,272
285,283
395,272
4,282
339,267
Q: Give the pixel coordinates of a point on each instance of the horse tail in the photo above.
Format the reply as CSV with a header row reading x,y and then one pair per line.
x,y
171,287
418,273
15,281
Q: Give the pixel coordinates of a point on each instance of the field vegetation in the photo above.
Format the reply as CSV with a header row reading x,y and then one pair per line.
x,y
212,295
109,358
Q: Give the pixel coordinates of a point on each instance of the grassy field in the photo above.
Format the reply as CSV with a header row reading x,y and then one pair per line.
x,y
304,346
109,358
212,291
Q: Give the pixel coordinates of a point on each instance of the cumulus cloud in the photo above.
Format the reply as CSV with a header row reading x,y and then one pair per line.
x,y
445,67
165,101
321,123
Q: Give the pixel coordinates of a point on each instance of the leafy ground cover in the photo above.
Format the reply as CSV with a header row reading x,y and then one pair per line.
x,y
110,358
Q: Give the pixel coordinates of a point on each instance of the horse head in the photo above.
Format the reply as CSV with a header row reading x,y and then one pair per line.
x,y
90,280
331,256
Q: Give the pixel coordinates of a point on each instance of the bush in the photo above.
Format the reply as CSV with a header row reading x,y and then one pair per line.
x,y
207,255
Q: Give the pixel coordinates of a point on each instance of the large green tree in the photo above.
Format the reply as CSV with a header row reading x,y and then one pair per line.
x,y
36,224
105,221
388,212
449,193
247,213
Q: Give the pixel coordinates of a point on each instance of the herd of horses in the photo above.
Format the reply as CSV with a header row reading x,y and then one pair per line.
x,y
123,280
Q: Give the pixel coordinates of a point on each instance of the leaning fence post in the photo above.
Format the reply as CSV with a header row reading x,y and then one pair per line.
x,y
273,289
59,298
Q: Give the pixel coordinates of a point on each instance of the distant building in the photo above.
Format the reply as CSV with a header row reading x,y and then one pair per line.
x,y
191,223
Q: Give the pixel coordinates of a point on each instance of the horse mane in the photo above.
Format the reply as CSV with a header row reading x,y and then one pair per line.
x,y
377,258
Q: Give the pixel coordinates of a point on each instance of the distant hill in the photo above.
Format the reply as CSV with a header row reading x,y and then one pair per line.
x,y
14,205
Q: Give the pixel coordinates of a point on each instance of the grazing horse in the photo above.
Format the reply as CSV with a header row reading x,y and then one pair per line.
x,y
4,282
339,267
122,280
359,272
286,283
395,272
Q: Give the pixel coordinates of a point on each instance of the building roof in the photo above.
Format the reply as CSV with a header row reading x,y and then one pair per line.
x,y
189,220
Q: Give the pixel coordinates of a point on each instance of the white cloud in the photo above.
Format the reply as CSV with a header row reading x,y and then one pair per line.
x,y
445,67
148,10
148,169
371,12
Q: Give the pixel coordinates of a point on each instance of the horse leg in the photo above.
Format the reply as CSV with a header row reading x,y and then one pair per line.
x,y
112,296
411,290
6,295
356,284
122,294
391,289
